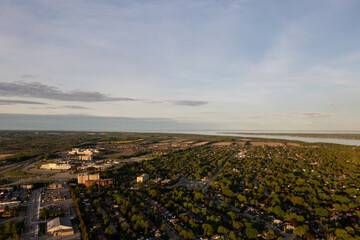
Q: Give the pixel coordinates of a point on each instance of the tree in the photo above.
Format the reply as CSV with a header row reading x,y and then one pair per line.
x,y
109,231
208,229
342,234
301,230
44,213
251,232
279,212
222,230
321,212
13,212
241,198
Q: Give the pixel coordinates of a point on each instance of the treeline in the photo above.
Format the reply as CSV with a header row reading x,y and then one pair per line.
x,y
82,225
10,230
22,157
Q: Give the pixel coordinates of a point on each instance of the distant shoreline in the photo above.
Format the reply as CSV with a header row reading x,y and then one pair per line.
x,y
307,135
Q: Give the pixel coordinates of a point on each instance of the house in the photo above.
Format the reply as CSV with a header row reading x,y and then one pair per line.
x,y
60,226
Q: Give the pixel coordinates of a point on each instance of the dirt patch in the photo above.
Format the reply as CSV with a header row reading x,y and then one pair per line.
x,y
5,155
293,144
240,143
200,144
270,144
221,144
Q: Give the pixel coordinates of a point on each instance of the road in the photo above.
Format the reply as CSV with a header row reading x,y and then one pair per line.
x,y
31,227
207,185
38,179
14,165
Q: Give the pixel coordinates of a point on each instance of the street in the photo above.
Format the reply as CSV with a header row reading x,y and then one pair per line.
x,y
31,227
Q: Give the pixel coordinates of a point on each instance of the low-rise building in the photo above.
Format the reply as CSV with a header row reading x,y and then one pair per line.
x,y
55,166
27,186
100,182
56,186
10,205
75,151
85,158
143,178
60,226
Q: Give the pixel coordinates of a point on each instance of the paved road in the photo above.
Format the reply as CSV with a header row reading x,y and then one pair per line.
x,y
38,179
31,227
218,171
14,165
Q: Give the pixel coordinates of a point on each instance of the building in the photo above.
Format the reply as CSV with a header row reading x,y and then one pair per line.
x,y
83,177
27,186
60,226
56,186
76,151
85,158
7,188
11,205
55,166
143,178
100,182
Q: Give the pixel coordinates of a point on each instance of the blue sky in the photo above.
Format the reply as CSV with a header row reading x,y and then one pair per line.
x,y
248,64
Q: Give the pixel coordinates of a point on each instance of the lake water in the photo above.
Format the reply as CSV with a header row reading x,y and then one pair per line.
x,y
351,142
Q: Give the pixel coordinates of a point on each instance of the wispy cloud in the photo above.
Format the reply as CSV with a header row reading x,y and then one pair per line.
x,y
191,103
332,104
29,76
12,102
293,114
74,107
68,107
39,90
188,102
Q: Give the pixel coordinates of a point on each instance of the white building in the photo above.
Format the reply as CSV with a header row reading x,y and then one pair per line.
x,y
75,151
55,166
143,178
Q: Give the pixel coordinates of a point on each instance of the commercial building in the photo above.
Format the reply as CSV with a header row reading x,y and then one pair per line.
x,y
143,178
76,151
83,177
60,226
55,166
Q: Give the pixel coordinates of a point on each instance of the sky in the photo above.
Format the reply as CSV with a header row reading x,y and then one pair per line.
x,y
180,65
